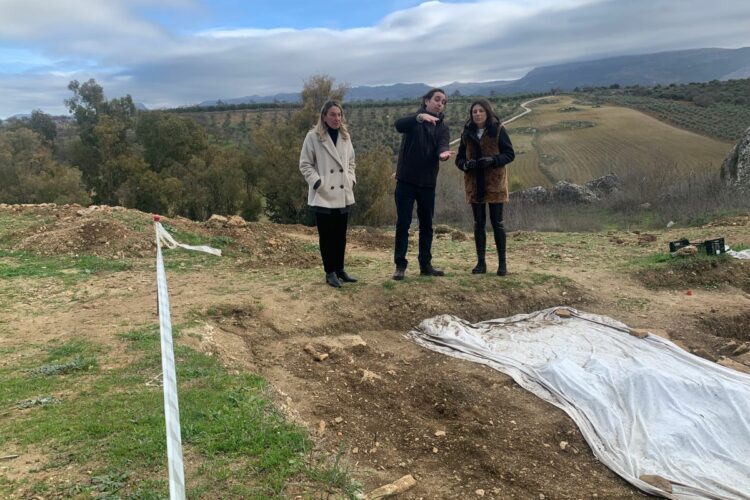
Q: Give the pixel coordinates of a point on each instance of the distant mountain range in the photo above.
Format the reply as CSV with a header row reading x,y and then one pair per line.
x,y
682,66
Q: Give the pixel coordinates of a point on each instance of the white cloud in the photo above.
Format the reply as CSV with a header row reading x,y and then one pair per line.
x,y
433,43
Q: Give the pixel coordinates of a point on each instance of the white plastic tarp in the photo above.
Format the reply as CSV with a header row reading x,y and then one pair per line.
x,y
645,406
740,254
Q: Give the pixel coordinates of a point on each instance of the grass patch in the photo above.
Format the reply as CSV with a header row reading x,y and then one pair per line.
x,y
112,423
67,269
13,224
663,260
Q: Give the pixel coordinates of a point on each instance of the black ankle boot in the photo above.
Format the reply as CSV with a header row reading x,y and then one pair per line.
x,y
502,269
480,268
344,277
332,280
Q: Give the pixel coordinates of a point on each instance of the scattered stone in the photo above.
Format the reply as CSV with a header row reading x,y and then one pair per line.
x,y
563,445
479,492
735,171
701,352
734,365
317,356
534,195
321,427
741,349
434,450
338,420
236,221
217,220
638,332
399,486
687,250
563,313
657,482
368,376
606,186
439,433
567,192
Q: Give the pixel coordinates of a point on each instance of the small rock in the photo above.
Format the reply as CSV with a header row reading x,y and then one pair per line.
x,y
744,348
563,313
563,445
321,427
638,332
439,433
479,492
688,250
657,482
338,420
434,450
730,363
703,354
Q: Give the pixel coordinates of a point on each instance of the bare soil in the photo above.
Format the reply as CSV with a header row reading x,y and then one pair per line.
x,y
390,406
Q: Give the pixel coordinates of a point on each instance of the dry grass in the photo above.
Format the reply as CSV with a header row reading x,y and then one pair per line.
x,y
623,141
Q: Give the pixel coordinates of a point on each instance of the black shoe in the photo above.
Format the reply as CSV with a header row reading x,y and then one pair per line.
x,y
431,271
501,269
399,274
480,268
332,280
345,278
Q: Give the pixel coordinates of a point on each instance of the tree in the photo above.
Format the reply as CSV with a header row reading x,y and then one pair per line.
x,y
315,92
168,139
28,174
279,145
44,125
374,204
103,128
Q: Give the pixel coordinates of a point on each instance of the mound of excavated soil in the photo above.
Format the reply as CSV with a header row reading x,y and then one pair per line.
x,y
369,237
699,273
123,233
95,234
269,246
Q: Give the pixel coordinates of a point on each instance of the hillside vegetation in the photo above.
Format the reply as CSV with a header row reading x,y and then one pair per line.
x,y
245,161
719,109
565,140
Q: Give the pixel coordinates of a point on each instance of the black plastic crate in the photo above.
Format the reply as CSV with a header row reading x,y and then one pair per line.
x,y
676,245
714,247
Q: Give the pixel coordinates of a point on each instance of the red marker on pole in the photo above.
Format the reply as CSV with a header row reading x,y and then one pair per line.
x,y
690,292
157,218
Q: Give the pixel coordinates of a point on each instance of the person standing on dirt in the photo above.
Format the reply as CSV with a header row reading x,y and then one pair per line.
x,y
424,143
328,165
483,154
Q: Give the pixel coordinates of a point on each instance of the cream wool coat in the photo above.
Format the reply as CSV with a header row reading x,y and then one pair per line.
x,y
334,165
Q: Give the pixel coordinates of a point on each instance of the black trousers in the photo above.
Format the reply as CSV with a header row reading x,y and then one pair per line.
x,y
498,227
406,195
332,239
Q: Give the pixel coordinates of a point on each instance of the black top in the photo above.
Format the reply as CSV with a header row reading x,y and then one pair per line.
x,y
334,133
421,145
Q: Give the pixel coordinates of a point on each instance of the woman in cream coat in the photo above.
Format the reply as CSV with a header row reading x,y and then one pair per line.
x,y
327,162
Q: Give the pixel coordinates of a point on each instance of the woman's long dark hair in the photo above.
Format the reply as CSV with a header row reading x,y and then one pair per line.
x,y
492,119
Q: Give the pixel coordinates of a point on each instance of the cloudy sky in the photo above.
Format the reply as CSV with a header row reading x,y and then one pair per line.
x,y
178,52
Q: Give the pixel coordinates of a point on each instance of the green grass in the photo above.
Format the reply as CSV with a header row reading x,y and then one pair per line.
x,y
12,223
70,270
662,260
111,422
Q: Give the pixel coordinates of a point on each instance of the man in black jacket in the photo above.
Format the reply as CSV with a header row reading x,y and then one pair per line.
x,y
425,142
